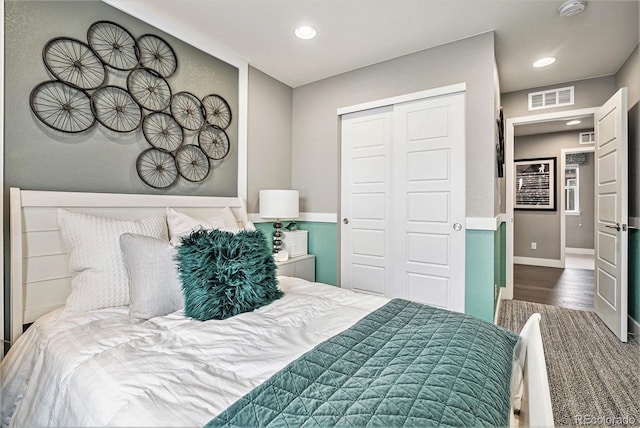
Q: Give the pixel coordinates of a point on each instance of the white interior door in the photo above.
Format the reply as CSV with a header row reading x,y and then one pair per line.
x,y
366,172
429,201
611,172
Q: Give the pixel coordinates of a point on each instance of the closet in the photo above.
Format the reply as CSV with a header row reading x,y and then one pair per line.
x,y
403,198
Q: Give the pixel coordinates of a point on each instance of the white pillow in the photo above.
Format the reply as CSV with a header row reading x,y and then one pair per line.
x,y
181,224
101,279
230,222
154,286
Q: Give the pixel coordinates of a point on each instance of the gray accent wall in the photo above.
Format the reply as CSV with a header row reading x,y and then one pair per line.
x,y
99,160
541,227
315,136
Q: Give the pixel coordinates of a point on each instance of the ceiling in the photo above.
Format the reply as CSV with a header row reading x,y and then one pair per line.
x,y
552,126
357,33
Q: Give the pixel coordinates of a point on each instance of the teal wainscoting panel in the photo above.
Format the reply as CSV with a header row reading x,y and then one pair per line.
x,y
267,229
323,243
634,274
480,273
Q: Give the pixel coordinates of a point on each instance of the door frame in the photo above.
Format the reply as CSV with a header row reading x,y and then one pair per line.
x,y
509,185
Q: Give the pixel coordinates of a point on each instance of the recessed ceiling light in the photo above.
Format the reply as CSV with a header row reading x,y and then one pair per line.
x,y
573,122
305,32
543,62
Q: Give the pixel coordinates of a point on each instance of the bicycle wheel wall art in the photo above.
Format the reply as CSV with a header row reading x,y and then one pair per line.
x,y
122,83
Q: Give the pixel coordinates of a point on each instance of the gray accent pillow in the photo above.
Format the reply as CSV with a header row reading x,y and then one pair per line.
x,y
154,286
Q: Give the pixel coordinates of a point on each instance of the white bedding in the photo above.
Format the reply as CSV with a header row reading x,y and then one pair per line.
x,y
104,368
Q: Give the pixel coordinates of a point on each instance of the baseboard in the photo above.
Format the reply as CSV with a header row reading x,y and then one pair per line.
x,y
495,315
532,261
634,330
587,251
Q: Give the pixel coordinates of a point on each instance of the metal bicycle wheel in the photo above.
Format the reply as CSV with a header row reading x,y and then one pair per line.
x,y
116,109
214,142
149,89
157,55
193,164
217,111
62,107
157,168
162,131
73,62
114,45
187,110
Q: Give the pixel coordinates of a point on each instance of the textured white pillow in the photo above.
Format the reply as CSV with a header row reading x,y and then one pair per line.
x,y
101,279
181,224
154,286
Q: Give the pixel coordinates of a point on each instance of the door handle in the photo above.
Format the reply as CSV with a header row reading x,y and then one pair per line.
x,y
345,220
616,227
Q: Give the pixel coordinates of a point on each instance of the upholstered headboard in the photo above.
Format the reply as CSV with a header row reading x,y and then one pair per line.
x,y
40,276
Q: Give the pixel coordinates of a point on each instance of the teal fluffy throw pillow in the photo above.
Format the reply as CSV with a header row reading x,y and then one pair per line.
x,y
225,274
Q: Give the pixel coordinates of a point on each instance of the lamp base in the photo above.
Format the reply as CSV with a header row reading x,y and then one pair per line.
x,y
277,235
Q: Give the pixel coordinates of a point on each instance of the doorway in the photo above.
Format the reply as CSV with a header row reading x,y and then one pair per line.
x,y
511,125
554,239
611,206
577,183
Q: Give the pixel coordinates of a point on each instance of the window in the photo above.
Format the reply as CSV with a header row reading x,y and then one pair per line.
x,y
571,190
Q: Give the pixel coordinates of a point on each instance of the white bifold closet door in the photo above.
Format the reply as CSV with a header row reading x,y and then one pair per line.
x,y
403,201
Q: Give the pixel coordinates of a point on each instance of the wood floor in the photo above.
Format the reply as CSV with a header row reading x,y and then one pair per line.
x,y
566,288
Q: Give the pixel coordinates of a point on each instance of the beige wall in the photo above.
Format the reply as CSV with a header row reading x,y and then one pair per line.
x,y
587,93
629,76
268,135
579,228
316,145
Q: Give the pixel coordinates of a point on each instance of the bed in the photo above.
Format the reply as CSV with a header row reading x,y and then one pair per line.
x,y
104,367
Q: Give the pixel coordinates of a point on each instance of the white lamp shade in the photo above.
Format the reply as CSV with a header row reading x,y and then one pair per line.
x,y
279,204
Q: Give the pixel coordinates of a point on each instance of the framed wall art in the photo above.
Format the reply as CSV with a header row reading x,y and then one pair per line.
x,y
535,187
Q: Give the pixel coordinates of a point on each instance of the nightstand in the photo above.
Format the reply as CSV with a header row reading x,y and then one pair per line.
x,y
301,267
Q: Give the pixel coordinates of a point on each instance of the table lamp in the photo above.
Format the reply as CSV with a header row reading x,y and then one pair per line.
x,y
279,205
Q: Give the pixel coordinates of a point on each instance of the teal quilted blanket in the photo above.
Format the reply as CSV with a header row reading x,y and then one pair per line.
x,y
405,364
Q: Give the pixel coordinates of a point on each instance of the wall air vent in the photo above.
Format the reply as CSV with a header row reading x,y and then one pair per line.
x,y
587,138
551,98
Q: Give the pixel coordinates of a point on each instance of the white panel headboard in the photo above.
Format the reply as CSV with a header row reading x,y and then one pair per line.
x,y
40,276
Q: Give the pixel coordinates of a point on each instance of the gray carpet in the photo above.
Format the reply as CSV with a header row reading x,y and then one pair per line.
x,y
594,378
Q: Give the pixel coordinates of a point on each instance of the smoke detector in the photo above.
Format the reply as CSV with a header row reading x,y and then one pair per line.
x,y
571,7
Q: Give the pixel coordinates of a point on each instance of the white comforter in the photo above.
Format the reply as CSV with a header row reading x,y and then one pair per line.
x,y
103,368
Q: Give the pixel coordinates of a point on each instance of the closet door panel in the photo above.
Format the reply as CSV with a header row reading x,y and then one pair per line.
x,y
428,201
365,180
403,201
